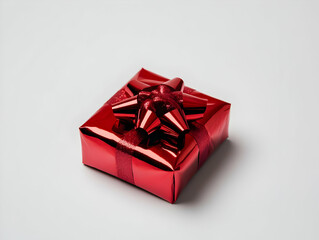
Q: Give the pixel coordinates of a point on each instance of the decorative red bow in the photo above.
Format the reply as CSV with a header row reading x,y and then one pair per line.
x,y
163,110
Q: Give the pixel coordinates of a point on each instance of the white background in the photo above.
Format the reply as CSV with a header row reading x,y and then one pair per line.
x,y
61,60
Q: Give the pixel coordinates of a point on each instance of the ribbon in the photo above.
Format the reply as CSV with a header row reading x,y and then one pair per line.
x,y
160,114
202,139
125,149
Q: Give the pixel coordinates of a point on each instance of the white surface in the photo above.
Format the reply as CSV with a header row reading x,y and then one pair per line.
x,y
61,60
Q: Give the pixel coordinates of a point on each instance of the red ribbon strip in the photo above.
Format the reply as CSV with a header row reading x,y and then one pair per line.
x,y
124,154
201,136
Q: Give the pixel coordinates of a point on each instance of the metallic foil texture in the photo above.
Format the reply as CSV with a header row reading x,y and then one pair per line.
x,y
154,133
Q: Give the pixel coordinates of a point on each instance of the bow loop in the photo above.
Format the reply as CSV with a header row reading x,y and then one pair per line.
x,y
147,120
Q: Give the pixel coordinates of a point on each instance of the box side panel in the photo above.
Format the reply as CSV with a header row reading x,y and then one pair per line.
x,y
100,155
217,128
154,180
185,172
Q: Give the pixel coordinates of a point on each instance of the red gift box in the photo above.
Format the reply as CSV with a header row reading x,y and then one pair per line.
x,y
155,133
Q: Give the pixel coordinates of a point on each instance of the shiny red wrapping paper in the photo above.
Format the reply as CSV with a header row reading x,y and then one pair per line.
x,y
178,133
